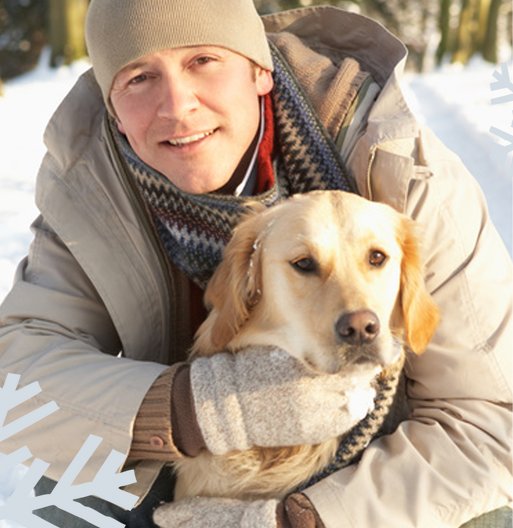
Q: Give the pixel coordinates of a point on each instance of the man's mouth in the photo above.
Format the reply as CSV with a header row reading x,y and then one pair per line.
x,y
187,140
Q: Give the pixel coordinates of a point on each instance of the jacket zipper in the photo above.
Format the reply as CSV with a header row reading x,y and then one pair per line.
x,y
172,317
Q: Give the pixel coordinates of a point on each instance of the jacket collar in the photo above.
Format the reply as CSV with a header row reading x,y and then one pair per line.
x,y
338,34
334,34
323,37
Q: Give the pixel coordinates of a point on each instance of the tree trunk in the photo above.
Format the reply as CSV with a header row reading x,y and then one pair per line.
x,y
444,25
66,31
489,48
467,32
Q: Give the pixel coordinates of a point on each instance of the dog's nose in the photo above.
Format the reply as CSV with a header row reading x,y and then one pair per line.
x,y
358,328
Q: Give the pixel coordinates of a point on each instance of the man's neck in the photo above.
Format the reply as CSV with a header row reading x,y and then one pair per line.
x,y
239,179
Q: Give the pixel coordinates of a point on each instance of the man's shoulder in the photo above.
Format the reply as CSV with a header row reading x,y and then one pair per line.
x,y
78,116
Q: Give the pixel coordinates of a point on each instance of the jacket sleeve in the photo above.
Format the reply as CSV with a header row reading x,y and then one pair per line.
x,y
55,330
450,461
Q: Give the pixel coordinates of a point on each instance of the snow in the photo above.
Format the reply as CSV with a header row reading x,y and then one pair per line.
x,y
454,101
28,103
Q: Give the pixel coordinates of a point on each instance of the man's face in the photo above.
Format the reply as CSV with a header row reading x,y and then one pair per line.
x,y
190,113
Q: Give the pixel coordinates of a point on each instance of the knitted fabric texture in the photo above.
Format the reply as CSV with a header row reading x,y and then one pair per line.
x,y
209,512
194,228
121,31
357,439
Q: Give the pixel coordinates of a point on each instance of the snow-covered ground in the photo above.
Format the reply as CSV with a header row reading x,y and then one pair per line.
x,y
461,105
455,102
27,105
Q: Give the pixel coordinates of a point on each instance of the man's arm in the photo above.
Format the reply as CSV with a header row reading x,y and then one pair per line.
x,y
451,461
54,329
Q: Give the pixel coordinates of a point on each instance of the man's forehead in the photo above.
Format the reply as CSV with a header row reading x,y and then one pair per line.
x,y
170,52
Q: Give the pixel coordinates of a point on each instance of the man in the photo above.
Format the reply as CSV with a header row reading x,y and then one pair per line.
x,y
137,202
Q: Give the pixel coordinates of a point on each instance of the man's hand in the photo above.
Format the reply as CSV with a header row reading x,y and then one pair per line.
x,y
265,397
201,512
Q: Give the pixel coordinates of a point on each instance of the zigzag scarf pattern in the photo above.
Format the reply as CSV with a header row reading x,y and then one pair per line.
x,y
309,157
194,229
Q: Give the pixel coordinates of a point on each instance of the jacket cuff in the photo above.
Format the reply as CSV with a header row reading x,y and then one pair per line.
x,y
296,511
152,437
184,423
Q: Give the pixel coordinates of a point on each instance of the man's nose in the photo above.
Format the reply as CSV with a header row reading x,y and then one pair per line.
x,y
177,98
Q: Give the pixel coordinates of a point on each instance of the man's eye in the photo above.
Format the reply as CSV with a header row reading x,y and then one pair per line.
x,y
305,265
138,79
377,258
204,60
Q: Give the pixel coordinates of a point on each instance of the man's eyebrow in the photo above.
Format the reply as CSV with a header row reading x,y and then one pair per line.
x,y
132,66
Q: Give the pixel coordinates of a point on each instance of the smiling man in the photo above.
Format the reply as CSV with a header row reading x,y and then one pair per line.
x,y
180,110
194,109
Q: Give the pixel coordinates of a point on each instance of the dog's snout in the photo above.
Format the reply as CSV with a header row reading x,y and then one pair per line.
x,y
358,328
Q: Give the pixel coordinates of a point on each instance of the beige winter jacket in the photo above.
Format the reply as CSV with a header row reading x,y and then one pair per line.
x,y
96,283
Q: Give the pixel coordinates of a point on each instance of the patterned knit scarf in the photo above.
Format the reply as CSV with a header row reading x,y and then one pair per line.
x,y
194,228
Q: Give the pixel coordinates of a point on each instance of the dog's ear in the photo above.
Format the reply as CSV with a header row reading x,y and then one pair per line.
x,y
235,286
420,313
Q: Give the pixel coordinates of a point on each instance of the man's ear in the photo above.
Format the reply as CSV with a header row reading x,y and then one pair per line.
x,y
264,81
120,126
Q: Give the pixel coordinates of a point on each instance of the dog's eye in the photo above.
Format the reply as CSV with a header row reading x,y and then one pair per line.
x,y
377,258
305,265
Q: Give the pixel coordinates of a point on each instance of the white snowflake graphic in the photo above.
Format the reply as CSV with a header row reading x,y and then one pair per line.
x,y
504,86
20,505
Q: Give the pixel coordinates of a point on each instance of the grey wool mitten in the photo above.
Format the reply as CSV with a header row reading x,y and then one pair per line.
x,y
265,397
202,512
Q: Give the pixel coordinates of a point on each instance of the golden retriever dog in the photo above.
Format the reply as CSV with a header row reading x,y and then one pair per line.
x,y
333,279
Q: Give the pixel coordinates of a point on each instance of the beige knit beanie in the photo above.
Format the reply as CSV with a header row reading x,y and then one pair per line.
x,y
120,31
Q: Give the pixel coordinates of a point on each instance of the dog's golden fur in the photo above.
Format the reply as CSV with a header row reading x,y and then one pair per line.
x,y
288,275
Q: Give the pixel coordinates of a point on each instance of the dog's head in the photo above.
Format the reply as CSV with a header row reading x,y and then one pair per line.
x,y
329,276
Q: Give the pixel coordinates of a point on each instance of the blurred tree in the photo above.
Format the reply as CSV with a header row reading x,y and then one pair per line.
x,y
432,30
469,30
470,27
461,28
413,21
22,35
66,30
28,25
446,40
490,43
